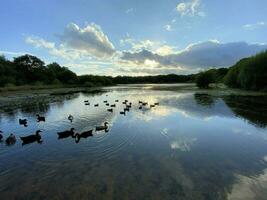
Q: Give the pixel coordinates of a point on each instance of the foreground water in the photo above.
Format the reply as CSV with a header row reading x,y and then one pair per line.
x,y
194,145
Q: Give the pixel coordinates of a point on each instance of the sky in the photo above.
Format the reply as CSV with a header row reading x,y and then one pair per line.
x,y
134,37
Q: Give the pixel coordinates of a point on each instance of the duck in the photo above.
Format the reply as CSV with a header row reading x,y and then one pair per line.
x,y
86,101
40,118
156,104
11,139
32,138
140,102
96,105
65,134
123,113
128,106
126,109
107,104
105,101
152,106
23,122
113,105
110,110
100,128
84,134
70,117
1,136
87,104
144,103
140,107
116,100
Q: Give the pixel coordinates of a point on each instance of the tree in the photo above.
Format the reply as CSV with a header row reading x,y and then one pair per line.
x,y
204,79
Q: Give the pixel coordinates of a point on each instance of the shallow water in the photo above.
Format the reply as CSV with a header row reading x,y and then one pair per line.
x,y
194,145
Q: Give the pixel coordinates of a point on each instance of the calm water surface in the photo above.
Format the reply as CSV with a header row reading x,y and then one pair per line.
x,y
194,145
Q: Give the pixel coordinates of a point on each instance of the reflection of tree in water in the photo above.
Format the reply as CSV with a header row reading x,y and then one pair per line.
x,y
204,99
251,108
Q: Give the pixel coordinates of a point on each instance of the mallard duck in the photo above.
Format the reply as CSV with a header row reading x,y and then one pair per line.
x,y
23,122
100,128
70,117
110,110
96,105
11,139
40,118
67,133
1,136
32,138
113,105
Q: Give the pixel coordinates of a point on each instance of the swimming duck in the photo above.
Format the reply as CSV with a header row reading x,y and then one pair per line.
x,y
86,101
87,104
110,110
67,133
23,122
140,102
40,118
100,128
32,138
70,117
105,101
1,136
123,113
11,139
107,104
117,100
96,105
152,106
144,103
84,134
140,107
113,105
126,109
156,104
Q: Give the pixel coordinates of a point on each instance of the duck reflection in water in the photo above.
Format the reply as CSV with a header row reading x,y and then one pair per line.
x,y
66,134
84,134
32,138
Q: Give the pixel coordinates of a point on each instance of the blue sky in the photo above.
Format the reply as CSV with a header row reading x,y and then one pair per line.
x,y
134,37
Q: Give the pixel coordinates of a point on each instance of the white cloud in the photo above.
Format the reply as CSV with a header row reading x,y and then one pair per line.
x,y
190,8
254,26
168,27
197,56
129,10
90,39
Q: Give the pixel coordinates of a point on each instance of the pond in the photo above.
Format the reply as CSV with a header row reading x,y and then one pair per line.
x,y
194,145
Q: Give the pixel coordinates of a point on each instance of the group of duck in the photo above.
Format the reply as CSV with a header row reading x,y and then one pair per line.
x,y
11,139
128,105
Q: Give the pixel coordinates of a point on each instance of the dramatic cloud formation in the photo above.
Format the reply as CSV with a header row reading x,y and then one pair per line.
x,y
190,8
90,39
198,56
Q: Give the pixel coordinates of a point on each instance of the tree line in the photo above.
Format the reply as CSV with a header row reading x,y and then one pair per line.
x,y
31,70
249,73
